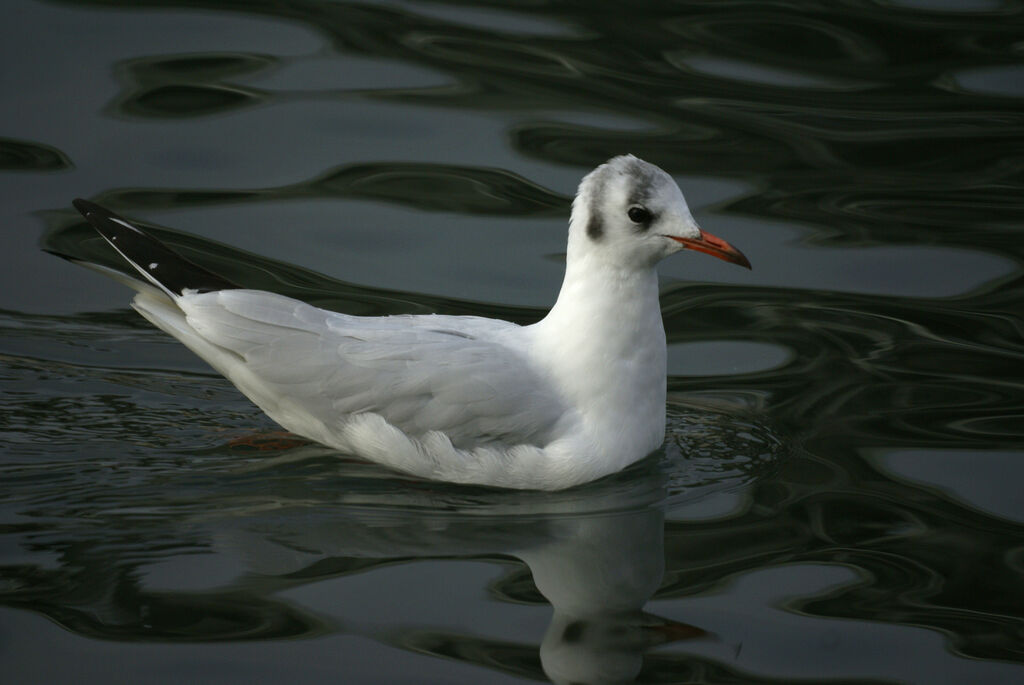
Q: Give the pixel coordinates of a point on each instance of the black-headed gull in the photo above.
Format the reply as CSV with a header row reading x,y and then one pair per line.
x,y
569,399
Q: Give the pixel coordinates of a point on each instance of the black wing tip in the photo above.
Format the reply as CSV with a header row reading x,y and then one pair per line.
x,y
84,206
104,220
87,208
149,256
55,253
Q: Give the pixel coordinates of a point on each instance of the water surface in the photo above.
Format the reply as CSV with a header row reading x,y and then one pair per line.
x,y
838,496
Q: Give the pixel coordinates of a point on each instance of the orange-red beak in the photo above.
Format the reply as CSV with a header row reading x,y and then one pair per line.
x,y
716,247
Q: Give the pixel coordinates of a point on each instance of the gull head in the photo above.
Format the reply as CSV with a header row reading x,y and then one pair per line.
x,y
631,213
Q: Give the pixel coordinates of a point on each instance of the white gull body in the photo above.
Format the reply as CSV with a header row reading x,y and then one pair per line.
x,y
572,398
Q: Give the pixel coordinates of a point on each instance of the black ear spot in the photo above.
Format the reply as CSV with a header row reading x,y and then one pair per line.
x,y
573,632
595,227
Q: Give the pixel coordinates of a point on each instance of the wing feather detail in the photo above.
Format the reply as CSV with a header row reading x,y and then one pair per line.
x,y
455,375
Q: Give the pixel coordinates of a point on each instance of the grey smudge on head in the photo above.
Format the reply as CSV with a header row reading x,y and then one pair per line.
x,y
595,224
595,227
644,180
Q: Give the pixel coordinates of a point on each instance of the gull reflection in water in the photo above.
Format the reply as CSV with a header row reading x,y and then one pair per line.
x,y
596,554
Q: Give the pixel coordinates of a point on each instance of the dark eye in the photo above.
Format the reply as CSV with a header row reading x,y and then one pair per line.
x,y
638,215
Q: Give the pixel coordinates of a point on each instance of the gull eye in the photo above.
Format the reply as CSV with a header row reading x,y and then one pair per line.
x,y
638,214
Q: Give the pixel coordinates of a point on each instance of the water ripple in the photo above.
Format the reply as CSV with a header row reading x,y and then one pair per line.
x,y
803,498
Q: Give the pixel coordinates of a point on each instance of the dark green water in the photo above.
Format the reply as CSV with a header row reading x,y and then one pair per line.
x,y
841,497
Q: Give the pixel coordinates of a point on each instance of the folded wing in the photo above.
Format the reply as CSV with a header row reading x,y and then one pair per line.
x,y
420,373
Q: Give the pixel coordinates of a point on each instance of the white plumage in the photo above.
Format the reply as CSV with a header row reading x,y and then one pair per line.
x,y
572,398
